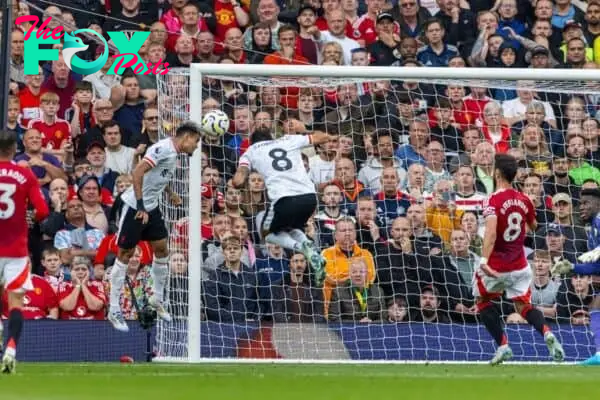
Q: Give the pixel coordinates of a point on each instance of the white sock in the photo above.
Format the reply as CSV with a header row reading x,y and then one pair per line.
x,y
299,236
117,281
284,240
159,272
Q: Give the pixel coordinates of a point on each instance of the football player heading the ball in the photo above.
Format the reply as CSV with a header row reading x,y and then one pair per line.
x,y
141,218
589,212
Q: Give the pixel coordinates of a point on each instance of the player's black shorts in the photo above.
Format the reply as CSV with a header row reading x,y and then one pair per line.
x,y
132,231
289,213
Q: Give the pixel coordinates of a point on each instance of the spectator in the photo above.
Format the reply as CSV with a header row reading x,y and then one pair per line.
x,y
386,144
397,310
138,277
61,82
40,302
391,202
230,292
357,300
573,299
442,214
294,299
120,159
369,228
82,298
414,185
435,170
444,130
437,53
425,242
560,181
183,54
411,17
77,238
414,151
90,193
338,257
471,137
80,114
130,16
544,288
58,192
129,104
29,98
206,46
96,158
385,50
351,188
54,272
467,198
55,131
579,169
429,307
336,33
484,167
45,166
515,109
329,215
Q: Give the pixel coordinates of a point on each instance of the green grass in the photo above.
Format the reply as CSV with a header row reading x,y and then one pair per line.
x,y
297,382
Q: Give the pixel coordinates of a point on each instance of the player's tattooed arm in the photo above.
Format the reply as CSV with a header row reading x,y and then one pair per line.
x,y
240,177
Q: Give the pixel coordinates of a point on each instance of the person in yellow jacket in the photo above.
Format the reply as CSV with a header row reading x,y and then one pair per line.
x,y
339,256
441,214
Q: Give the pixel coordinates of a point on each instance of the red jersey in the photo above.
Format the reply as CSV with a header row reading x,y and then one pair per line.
x,y
364,29
53,135
81,311
514,211
475,107
18,188
109,245
37,303
30,105
225,16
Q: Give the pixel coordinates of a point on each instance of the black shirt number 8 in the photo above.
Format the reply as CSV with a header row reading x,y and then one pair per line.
x,y
280,161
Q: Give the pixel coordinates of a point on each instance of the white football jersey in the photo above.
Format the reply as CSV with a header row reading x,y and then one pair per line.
x,y
280,164
162,156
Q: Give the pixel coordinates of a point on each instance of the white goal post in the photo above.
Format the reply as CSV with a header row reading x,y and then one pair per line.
x,y
572,81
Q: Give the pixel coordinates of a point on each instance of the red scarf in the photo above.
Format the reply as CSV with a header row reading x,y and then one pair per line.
x,y
82,120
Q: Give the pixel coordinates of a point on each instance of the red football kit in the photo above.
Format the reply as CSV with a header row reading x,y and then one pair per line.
x,y
514,211
53,135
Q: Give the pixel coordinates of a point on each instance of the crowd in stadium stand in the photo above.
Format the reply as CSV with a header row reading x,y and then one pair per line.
x,y
401,190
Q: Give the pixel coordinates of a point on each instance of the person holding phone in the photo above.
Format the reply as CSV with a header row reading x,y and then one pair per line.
x,y
441,213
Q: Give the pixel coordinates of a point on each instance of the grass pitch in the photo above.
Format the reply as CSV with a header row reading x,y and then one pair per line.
x,y
297,382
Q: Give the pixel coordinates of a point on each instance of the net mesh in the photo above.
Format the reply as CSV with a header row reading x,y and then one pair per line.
x,y
422,307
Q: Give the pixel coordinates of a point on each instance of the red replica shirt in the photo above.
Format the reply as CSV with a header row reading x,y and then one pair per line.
x,y
18,188
364,29
514,211
225,16
81,310
30,105
53,135
109,245
475,107
37,303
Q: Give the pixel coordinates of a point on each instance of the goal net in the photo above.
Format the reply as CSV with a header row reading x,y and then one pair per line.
x,y
412,168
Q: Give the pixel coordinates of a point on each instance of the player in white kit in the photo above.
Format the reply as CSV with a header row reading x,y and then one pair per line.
x,y
292,194
141,218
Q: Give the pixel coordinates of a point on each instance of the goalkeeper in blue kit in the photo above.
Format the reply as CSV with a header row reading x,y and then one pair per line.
x,y
589,209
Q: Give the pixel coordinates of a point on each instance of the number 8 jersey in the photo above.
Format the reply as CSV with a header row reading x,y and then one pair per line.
x,y
280,163
513,211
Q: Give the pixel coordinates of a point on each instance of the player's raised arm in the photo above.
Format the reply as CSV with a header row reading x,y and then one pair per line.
x,y
318,137
240,177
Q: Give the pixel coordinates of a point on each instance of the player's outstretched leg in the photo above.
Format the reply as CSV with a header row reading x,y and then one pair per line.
x,y
160,274
493,323
15,326
117,281
536,319
595,327
311,253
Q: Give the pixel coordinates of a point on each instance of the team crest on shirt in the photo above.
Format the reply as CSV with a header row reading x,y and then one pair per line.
x,y
397,54
37,291
224,17
26,300
356,34
59,134
80,311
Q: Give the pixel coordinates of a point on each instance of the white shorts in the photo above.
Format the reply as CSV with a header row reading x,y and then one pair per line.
x,y
516,285
15,274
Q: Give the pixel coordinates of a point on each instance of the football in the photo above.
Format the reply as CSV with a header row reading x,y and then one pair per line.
x,y
215,123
